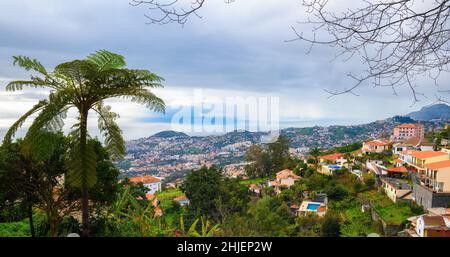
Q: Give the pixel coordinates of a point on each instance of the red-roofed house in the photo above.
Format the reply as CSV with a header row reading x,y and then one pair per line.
x,y
337,158
375,146
151,183
285,178
182,200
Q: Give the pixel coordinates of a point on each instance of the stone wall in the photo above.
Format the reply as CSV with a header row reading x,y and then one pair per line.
x,y
428,199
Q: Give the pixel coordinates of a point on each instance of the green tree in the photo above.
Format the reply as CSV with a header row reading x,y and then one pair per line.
x,y
308,225
279,153
84,85
270,217
331,225
202,187
213,196
315,153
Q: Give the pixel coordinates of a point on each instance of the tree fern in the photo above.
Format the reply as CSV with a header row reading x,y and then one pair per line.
x,y
83,85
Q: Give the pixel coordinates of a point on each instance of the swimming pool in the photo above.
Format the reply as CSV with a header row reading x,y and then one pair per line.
x,y
335,167
313,206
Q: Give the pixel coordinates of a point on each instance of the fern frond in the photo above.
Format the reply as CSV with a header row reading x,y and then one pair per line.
x,y
140,96
105,60
13,129
114,142
29,64
50,119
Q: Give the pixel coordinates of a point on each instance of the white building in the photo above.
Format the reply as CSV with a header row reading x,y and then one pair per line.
x,y
152,184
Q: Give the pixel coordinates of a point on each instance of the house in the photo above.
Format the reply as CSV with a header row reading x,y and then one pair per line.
x,y
152,184
437,176
430,173
329,169
331,162
399,163
255,188
413,143
429,225
406,131
399,147
182,200
335,158
418,159
396,189
307,207
375,146
285,178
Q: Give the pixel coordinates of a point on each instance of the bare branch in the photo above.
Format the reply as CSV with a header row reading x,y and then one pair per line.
x,y
397,40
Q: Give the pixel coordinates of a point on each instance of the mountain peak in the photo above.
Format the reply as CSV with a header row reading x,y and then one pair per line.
x,y
169,134
436,111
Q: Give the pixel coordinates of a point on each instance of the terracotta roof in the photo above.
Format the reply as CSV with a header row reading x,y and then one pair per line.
x,y
274,183
408,125
397,169
332,157
286,174
181,198
254,186
438,165
399,161
294,206
376,143
158,211
322,209
145,179
426,154
433,221
150,196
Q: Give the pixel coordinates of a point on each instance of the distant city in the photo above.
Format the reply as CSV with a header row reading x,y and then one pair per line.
x,y
169,155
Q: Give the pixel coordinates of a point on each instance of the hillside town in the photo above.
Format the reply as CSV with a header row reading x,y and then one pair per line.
x,y
170,155
406,168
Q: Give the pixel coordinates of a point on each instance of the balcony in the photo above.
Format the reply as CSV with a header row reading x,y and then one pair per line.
x,y
430,183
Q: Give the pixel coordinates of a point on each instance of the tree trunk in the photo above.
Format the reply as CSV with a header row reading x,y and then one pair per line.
x,y
30,219
84,186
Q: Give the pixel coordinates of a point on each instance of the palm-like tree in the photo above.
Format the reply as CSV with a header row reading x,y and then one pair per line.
x,y
83,85
315,153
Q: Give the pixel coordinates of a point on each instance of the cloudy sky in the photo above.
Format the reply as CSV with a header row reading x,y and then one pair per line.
x,y
237,49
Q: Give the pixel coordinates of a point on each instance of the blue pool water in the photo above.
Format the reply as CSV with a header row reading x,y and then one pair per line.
x,y
313,206
336,167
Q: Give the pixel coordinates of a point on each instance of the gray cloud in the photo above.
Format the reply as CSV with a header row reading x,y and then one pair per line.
x,y
238,47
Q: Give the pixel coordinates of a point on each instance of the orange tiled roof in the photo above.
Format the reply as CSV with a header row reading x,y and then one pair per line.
x,y
426,154
408,125
286,174
397,169
376,143
294,206
399,161
150,196
180,198
253,186
322,209
438,165
274,183
332,157
145,179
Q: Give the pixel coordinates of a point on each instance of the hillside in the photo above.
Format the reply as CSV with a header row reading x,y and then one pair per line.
x,y
427,113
